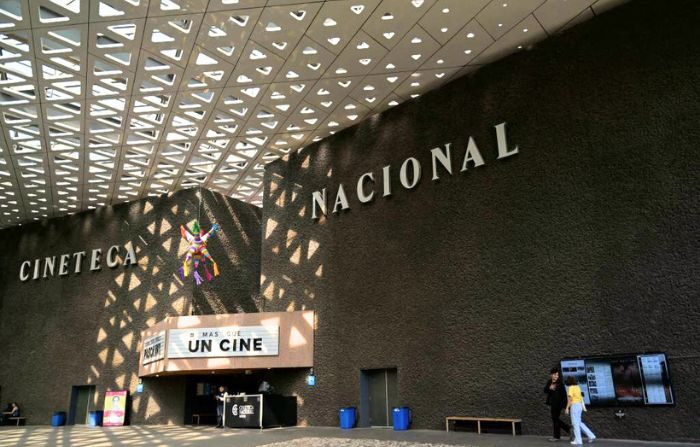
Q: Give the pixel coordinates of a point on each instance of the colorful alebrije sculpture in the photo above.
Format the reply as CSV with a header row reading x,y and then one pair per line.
x,y
197,253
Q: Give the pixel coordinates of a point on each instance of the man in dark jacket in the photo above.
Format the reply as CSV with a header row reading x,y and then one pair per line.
x,y
556,399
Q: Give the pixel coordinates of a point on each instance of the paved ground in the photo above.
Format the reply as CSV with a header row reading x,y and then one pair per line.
x,y
188,436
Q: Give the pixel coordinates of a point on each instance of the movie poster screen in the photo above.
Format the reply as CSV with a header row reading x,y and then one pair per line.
x,y
622,380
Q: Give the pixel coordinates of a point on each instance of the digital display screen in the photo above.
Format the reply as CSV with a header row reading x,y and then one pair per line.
x,y
619,380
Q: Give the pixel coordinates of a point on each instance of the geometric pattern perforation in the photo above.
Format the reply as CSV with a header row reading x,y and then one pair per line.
x,y
106,101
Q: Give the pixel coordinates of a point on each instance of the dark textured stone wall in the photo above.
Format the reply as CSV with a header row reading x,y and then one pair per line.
x,y
85,329
473,286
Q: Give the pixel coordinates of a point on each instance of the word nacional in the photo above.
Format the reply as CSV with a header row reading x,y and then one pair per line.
x,y
409,174
51,265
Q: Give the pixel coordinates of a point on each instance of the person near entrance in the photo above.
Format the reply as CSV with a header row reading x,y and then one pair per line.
x,y
556,399
265,387
220,401
576,406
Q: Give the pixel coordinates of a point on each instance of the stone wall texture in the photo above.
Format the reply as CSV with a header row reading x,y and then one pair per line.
x,y
84,329
474,285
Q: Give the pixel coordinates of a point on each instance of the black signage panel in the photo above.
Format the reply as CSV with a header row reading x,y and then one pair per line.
x,y
260,411
244,411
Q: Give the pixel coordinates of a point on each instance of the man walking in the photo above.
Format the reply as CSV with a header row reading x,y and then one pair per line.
x,y
556,399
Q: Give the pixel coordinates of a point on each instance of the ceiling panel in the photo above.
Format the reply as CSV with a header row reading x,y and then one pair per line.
x,y
499,16
447,17
107,101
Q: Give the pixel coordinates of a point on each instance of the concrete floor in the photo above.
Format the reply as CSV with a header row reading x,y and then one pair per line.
x,y
194,436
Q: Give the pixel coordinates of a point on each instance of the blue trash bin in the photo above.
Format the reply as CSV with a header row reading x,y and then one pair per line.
x,y
58,419
348,417
95,418
402,418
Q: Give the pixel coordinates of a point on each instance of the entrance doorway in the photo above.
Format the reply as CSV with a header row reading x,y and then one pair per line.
x,y
81,402
377,397
200,405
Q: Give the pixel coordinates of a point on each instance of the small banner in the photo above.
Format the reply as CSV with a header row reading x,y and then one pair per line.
x,y
115,408
153,348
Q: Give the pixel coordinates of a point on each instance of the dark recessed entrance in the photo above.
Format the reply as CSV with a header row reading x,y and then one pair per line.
x,y
377,396
81,402
200,405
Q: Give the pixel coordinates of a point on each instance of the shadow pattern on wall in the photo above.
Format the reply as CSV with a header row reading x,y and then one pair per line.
x,y
85,328
475,285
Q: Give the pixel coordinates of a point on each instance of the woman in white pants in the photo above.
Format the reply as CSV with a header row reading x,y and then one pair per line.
x,y
576,406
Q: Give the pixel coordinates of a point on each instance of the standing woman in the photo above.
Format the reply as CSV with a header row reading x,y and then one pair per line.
x,y
575,406
556,399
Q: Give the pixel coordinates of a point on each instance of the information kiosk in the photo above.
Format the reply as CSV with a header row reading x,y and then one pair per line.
x,y
260,411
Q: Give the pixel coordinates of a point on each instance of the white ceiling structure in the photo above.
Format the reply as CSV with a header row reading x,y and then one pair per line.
x,y
107,101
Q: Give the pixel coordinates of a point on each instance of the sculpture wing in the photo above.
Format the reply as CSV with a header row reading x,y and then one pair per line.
x,y
210,232
186,234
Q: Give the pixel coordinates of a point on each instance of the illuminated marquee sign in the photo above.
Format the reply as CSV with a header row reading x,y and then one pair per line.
x,y
233,341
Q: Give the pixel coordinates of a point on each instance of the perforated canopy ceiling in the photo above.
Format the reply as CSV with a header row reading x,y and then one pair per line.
x,y
105,101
